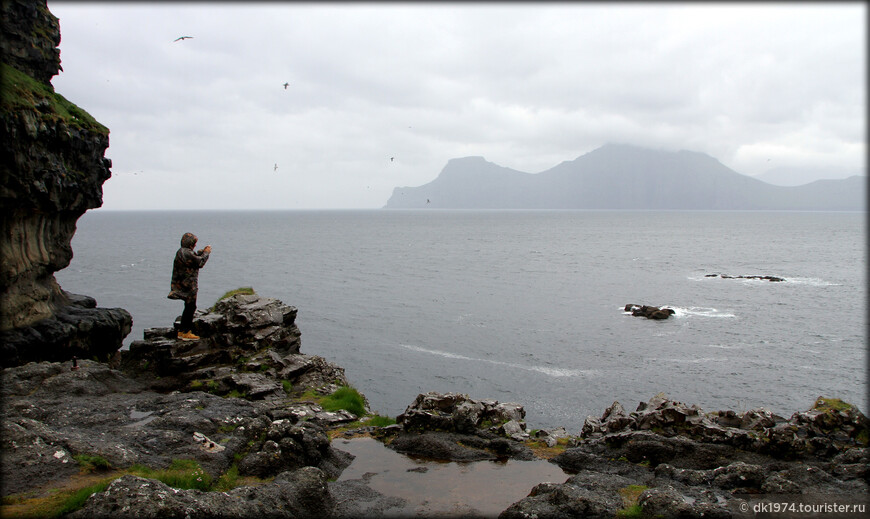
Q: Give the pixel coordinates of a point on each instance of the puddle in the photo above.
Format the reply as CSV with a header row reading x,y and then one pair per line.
x,y
484,488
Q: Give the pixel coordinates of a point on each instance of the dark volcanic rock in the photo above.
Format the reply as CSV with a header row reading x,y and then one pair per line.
x,y
53,413
453,427
763,278
686,463
650,312
458,413
294,494
76,330
52,168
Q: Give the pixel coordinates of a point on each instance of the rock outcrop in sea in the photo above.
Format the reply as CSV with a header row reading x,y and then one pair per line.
x,y
52,168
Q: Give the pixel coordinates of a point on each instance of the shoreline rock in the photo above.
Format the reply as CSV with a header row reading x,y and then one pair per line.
x,y
773,279
650,312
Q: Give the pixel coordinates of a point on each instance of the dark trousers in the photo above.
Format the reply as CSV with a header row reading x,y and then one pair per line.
x,y
187,316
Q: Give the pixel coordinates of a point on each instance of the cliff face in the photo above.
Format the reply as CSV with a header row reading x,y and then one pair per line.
x,y
52,170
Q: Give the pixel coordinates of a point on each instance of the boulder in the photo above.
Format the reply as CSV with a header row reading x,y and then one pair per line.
x,y
650,312
458,413
293,494
78,329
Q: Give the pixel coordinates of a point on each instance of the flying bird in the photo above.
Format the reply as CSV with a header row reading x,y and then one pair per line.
x,y
182,38
276,167
286,85
391,159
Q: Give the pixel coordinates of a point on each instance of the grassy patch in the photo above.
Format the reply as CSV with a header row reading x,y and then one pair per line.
x,y
246,291
77,499
381,421
229,480
542,450
90,463
831,404
347,398
57,502
182,474
287,385
20,92
630,495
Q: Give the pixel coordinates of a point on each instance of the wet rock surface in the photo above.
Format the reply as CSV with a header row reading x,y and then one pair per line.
x,y
650,312
687,463
763,278
300,493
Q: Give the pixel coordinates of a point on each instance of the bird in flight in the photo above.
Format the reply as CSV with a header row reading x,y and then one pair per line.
x,y
286,85
182,38
391,159
276,167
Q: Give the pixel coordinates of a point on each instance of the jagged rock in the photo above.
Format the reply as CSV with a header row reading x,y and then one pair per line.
x,y
75,330
52,414
457,412
588,494
52,168
301,493
764,278
650,312
454,427
251,322
248,344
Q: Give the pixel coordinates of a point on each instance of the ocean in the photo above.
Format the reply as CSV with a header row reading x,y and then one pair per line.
x,y
525,306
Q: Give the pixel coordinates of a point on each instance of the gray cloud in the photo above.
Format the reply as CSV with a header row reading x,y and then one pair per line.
x,y
200,123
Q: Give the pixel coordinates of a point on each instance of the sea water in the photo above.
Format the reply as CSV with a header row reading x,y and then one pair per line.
x,y
525,306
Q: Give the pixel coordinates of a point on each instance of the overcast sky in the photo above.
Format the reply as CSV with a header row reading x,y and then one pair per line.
x,y
201,123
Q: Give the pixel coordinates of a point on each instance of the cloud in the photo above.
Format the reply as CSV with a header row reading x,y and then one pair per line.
x,y
524,85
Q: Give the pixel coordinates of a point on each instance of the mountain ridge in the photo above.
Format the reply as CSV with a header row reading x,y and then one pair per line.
x,y
623,176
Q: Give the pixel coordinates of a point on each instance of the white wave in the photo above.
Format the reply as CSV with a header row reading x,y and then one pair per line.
x,y
699,311
815,282
688,361
726,346
553,372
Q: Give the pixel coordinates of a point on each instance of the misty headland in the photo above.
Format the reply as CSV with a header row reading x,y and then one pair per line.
x,y
624,177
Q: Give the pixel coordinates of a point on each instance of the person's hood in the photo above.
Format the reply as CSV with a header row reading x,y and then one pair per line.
x,y
188,240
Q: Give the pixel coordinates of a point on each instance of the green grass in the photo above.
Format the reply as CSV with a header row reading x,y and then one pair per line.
x,y
381,421
229,480
90,463
831,404
20,92
347,398
79,497
288,386
247,291
631,512
630,495
182,474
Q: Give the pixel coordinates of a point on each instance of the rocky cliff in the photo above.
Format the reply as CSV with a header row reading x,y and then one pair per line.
x,y
52,168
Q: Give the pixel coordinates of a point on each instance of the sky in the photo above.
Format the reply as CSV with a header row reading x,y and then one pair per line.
x,y
382,95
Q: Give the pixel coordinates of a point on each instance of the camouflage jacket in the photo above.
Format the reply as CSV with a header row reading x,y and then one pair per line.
x,y
185,269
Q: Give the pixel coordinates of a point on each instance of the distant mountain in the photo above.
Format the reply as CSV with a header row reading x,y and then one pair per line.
x,y
787,176
620,176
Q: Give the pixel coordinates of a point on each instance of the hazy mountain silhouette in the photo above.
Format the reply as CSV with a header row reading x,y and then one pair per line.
x,y
789,176
619,176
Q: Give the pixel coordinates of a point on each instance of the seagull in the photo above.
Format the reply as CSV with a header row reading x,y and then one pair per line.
x,y
182,38
286,85
391,159
276,167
